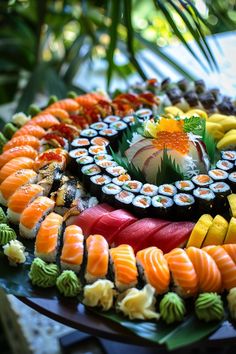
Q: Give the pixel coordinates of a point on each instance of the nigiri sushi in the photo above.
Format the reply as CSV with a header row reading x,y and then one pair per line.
x,y
59,113
14,165
33,129
97,258
73,248
209,276
230,248
68,104
51,177
44,121
183,272
155,268
47,237
225,264
124,265
33,215
18,151
57,155
14,181
23,140
21,199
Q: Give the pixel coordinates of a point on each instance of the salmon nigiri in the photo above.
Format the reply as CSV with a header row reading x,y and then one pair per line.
x,y
125,269
225,264
209,276
230,248
45,121
98,258
155,268
47,237
73,248
183,272
23,140
33,215
68,104
21,199
14,181
59,113
18,151
33,129
14,165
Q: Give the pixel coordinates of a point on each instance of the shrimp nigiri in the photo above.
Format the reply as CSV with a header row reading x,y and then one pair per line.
x,y
155,268
14,165
18,151
23,140
98,258
73,248
14,181
183,272
33,129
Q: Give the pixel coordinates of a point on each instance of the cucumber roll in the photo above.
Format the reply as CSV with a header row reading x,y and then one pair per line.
x,y
141,205
96,183
232,181
221,190
132,186
184,205
149,189
80,143
99,125
88,133
202,180
111,119
124,200
167,189
225,165
184,186
218,175
205,200
228,155
109,191
97,149
162,206
89,171
82,161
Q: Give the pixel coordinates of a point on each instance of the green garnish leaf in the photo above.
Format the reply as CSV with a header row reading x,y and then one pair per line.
x,y
195,125
213,153
169,171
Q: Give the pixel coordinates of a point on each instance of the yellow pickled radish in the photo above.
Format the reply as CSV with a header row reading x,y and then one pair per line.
x,y
217,231
175,111
196,112
199,231
232,204
228,123
231,233
215,130
227,142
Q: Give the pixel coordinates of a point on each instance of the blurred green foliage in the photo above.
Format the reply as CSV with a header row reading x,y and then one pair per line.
x,y
44,43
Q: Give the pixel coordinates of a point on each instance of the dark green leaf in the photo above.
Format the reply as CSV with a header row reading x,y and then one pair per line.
x,y
195,125
211,148
169,171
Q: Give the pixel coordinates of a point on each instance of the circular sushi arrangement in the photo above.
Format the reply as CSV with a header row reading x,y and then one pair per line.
x,y
127,203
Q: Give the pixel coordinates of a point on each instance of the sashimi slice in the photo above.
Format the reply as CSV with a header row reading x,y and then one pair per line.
x,y
136,147
23,140
34,130
139,234
110,224
89,217
18,151
14,165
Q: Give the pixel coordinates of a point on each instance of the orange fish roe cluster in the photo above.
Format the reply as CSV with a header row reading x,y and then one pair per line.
x,y
172,140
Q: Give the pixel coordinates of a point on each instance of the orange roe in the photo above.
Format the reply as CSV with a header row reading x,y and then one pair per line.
x,y
172,140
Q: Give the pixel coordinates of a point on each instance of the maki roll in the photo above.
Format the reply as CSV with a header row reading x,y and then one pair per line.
x,y
168,190
132,186
120,180
88,133
202,180
225,165
96,183
205,200
82,161
124,199
232,181
89,171
75,154
119,126
111,119
80,143
192,98
109,191
100,157
221,190
185,186
106,163
110,134
115,171
141,205
129,120
200,86
228,155
99,125
183,84
184,204
218,175
97,149
100,141
149,189
162,206
144,113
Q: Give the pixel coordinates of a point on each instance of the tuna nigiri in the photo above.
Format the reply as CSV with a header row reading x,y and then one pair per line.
x,y
21,199
14,165
18,151
209,276
33,129
23,140
33,215
155,268
183,272
124,265
14,181
47,237
97,258
225,264
44,121
73,248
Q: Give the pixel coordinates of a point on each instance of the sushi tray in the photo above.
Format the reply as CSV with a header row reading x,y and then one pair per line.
x,y
123,210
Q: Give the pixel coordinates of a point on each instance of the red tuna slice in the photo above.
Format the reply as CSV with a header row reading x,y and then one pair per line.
x,y
171,236
139,234
89,217
110,224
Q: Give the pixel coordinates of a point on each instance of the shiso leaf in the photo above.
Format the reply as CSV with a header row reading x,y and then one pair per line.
x,y
211,148
169,171
195,125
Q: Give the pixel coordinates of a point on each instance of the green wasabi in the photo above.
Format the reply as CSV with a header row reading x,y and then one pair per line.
x,y
3,218
172,308
209,307
33,110
68,284
6,234
52,99
9,130
72,94
3,141
42,274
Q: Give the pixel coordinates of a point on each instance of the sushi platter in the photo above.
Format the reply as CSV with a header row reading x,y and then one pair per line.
x,y
126,208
